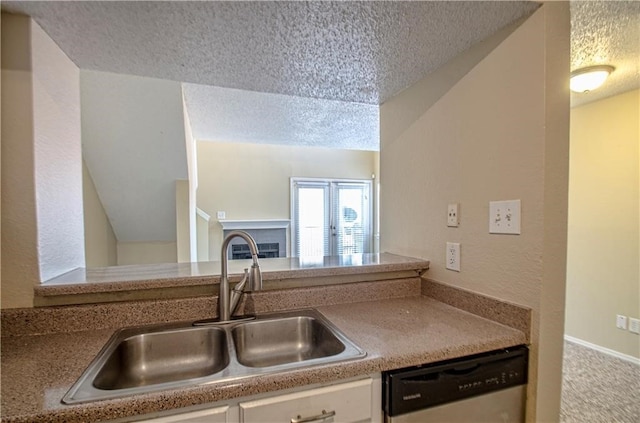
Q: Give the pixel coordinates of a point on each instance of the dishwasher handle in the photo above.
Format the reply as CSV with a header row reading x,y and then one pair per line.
x,y
432,377
462,370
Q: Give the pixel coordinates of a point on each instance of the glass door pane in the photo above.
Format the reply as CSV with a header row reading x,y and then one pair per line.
x,y
351,227
312,219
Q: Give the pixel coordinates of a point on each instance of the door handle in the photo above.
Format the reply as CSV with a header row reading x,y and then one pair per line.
x,y
320,417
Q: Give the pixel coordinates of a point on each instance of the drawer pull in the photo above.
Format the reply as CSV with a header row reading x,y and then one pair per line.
x,y
325,415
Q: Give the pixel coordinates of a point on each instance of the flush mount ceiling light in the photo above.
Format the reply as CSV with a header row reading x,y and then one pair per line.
x,y
588,79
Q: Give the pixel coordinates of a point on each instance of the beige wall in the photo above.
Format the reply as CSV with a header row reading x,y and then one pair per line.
x,y
147,252
603,252
252,181
19,229
499,133
183,222
41,169
100,242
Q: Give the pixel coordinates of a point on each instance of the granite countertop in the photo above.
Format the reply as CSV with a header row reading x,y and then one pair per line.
x,y
172,275
37,370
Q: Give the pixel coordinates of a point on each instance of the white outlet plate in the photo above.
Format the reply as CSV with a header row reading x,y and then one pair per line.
x,y
634,325
621,322
453,256
221,215
504,217
453,215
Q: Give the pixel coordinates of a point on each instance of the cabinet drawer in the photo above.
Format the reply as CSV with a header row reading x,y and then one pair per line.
x,y
210,415
351,402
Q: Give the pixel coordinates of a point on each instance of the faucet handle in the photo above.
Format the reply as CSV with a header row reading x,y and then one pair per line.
x,y
239,287
237,291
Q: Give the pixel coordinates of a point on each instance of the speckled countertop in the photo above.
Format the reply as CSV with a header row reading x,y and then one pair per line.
x,y
139,277
37,370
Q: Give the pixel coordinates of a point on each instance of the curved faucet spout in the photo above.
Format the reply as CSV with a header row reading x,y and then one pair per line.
x,y
255,276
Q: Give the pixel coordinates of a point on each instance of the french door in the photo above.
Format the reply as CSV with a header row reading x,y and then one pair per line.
x,y
330,217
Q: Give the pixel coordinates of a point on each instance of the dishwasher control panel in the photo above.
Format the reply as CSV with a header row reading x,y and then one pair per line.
x,y
415,388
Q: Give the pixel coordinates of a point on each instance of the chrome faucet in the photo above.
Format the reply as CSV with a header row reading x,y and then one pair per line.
x,y
253,279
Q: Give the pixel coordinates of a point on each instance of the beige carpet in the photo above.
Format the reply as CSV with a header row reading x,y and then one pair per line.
x,y
598,388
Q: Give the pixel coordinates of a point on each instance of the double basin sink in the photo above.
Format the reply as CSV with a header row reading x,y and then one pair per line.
x,y
152,358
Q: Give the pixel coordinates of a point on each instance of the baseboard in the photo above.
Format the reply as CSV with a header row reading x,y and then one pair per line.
x,y
621,356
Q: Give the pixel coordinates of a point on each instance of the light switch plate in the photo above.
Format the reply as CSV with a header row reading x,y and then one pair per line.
x,y
453,215
504,217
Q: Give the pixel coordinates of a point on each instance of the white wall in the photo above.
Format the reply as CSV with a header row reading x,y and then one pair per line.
x,y
133,136
100,242
42,218
499,133
58,157
192,168
202,229
603,259
147,252
252,181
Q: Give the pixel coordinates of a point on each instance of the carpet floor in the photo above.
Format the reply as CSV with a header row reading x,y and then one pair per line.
x,y
598,388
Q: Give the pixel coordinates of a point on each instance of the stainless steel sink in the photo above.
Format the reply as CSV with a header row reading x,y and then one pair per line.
x,y
281,341
152,358
161,357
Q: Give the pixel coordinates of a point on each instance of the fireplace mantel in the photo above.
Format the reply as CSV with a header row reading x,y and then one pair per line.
x,y
230,225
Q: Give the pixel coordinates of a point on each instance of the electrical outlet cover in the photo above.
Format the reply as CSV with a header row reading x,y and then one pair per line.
x,y
621,322
504,217
453,256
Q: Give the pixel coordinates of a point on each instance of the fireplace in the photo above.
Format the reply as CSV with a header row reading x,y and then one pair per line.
x,y
270,236
265,250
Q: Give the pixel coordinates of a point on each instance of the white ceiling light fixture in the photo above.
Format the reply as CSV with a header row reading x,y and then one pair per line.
x,y
588,79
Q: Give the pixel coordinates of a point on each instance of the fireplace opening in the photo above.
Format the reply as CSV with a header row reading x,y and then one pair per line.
x,y
265,250
271,241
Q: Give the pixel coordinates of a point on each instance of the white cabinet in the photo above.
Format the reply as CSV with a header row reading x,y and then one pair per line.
x,y
210,415
345,402
356,401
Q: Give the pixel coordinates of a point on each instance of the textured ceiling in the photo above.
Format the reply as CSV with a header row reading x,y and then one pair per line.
x,y
303,73
606,32
246,116
362,52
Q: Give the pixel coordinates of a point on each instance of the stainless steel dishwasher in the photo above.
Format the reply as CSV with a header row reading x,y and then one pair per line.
x,y
488,387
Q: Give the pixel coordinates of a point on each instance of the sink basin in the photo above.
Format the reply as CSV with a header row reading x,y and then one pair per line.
x,y
282,341
143,359
161,357
153,358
